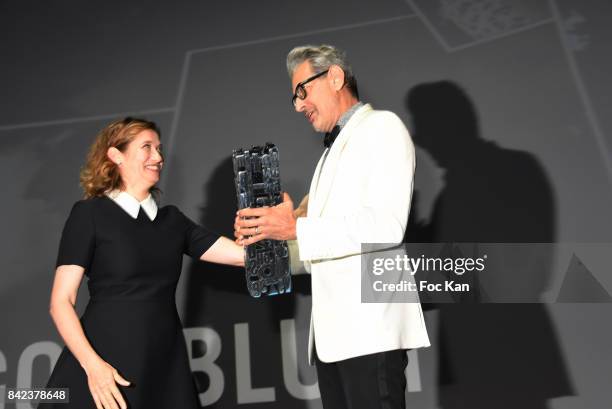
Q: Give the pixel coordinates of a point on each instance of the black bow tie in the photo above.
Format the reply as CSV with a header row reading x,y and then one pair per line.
x,y
330,137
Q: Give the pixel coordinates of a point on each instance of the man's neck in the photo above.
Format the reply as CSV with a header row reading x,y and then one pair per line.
x,y
345,103
346,116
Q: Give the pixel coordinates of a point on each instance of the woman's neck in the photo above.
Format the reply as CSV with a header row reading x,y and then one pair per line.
x,y
139,194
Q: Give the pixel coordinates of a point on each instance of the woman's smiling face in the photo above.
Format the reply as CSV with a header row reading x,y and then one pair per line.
x,y
142,160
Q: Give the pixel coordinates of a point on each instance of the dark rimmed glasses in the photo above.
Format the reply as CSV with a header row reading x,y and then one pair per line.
x,y
300,91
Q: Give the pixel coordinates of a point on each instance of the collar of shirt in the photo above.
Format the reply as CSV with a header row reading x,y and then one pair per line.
x,y
348,114
131,205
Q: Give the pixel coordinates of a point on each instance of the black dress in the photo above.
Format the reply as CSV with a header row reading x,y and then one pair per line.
x,y
131,321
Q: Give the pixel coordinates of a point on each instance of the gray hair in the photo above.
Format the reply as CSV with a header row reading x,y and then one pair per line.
x,y
321,57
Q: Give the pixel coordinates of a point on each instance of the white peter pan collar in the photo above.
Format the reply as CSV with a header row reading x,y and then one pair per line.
x,y
131,205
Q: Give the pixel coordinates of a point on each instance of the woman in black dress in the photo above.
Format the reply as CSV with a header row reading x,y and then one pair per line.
x,y
128,349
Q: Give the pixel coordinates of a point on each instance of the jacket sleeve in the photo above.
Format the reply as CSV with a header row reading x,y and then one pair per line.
x,y
378,212
295,264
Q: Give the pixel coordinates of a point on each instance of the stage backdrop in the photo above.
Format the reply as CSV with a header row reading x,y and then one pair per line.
x,y
503,99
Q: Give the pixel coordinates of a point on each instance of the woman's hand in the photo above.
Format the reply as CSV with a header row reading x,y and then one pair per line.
x,y
102,379
302,209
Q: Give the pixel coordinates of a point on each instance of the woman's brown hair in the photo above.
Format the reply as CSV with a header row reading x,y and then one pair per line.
x,y
100,174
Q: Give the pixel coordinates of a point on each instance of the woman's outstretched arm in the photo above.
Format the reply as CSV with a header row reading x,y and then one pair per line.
x,y
225,251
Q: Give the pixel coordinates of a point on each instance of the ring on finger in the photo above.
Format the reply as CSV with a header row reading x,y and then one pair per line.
x,y
256,229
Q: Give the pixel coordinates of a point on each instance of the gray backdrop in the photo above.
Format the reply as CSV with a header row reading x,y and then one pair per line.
x,y
508,103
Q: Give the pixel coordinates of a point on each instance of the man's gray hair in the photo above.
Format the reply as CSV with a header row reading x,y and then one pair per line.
x,y
321,57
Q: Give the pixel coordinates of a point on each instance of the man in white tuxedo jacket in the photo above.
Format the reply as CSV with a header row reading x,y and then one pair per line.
x,y
360,193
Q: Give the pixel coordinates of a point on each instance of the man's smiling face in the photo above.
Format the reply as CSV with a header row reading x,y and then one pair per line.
x,y
318,105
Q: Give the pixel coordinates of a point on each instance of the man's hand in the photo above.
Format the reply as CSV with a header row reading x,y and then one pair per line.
x,y
259,223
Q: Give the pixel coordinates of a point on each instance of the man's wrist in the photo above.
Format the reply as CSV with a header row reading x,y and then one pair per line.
x,y
296,226
293,230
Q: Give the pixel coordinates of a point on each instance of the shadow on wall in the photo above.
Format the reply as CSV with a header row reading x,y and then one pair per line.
x,y
218,215
491,355
217,297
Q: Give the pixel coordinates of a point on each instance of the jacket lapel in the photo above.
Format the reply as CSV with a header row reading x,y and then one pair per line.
x,y
312,193
326,170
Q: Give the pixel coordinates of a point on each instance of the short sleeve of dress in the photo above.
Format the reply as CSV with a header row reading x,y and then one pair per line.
x,y
78,237
198,239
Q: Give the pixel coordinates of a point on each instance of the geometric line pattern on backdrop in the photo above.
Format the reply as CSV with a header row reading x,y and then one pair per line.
x,y
187,65
581,286
512,22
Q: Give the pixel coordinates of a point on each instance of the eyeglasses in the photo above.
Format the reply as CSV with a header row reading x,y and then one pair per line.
x,y
300,90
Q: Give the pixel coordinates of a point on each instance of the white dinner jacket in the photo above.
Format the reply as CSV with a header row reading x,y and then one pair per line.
x,y
360,193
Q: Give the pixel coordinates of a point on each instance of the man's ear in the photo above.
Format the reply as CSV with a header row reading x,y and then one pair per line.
x,y
115,155
336,77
